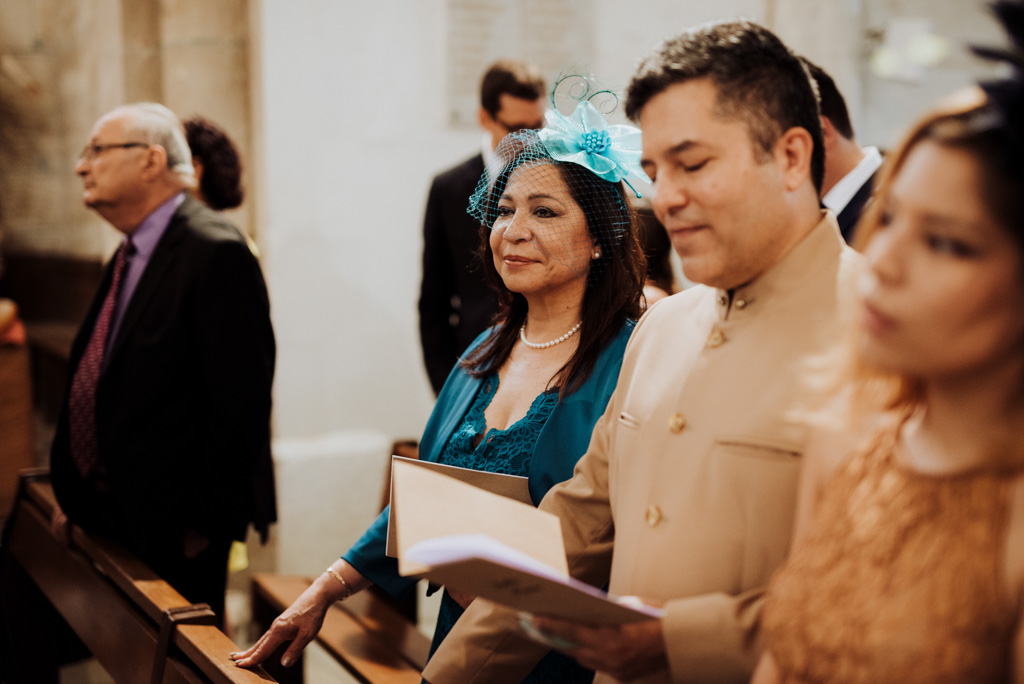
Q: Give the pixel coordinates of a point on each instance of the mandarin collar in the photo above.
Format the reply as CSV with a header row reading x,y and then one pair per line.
x,y
796,270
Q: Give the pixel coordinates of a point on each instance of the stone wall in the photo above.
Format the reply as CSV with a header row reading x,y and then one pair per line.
x,y
63,63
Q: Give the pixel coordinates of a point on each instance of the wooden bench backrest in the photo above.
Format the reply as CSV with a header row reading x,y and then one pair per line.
x,y
113,602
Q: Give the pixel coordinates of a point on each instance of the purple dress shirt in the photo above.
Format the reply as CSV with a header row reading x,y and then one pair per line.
x,y
145,239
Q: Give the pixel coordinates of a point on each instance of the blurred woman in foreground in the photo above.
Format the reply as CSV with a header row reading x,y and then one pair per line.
x,y
908,561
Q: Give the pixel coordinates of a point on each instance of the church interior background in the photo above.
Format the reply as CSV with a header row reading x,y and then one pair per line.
x,y
343,111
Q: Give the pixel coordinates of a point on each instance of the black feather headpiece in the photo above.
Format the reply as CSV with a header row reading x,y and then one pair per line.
x,y
1006,95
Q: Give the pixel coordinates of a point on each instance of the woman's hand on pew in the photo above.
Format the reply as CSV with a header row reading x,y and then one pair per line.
x,y
299,624
301,621
60,526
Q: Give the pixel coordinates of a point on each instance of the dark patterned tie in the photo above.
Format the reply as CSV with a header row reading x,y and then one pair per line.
x,y
82,402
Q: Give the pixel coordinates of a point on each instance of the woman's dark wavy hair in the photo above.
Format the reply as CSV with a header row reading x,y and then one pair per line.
x,y
614,282
221,184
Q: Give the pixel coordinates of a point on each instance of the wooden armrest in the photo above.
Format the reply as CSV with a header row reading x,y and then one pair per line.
x,y
55,337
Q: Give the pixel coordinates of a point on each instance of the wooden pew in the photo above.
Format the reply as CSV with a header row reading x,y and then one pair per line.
x,y
15,420
136,625
367,635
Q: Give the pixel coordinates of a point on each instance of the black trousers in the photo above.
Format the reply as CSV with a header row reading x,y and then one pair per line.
x,y
202,579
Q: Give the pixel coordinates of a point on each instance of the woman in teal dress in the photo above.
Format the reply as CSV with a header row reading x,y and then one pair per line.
x,y
559,243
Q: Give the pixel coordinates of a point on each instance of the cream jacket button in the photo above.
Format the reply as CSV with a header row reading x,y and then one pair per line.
x,y
653,516
716,338
741,303
677,422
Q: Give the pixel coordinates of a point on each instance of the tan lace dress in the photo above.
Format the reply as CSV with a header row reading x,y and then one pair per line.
x,y
899,580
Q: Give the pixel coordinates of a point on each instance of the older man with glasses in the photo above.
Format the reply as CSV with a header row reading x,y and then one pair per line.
x,y
164,440
163,444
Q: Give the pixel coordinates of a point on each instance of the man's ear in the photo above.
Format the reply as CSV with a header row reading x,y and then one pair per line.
x,y
484,118
793,151
156,161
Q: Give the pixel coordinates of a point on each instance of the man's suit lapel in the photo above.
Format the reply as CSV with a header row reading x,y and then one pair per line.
x,y
164,255
850,214
476,169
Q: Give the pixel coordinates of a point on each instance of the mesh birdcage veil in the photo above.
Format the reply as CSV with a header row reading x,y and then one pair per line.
x,y
556,193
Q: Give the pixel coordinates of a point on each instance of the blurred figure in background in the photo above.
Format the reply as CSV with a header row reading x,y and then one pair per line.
x,y
661,281
218,167
849,169
163,441
163,444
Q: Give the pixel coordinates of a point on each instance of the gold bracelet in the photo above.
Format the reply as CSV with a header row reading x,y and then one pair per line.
x,y
337,575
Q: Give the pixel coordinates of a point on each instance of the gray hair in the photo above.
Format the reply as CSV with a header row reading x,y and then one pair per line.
x,y
155,124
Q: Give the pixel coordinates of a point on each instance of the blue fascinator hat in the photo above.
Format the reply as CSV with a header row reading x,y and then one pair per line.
x,y
594,160
611,153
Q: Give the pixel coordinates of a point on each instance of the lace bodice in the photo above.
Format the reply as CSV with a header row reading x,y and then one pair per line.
x,y
900,579
506,451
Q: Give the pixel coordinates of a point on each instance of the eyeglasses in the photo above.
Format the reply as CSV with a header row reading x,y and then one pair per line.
x,y
90,152
513,128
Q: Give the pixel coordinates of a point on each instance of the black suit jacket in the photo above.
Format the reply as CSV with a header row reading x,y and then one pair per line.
x,y
183,405
455,303
850,214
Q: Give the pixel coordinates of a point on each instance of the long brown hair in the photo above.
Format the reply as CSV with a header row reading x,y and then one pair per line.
x,y
611,297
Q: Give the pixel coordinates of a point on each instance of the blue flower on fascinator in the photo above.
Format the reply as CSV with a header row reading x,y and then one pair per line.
x,y
612,153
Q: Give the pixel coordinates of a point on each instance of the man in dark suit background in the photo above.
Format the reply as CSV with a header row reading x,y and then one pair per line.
x,y
849,169
455,304
163,444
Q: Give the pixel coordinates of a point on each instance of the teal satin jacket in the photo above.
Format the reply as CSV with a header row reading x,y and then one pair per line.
x,y
561,443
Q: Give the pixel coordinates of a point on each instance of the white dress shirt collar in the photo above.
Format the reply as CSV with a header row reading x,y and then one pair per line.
x,y
842,192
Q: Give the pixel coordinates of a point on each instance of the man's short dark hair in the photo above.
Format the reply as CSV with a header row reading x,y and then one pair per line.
x,y
759,80
510,77
833,106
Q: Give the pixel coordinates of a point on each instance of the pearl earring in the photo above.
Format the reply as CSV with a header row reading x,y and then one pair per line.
x,y
597,253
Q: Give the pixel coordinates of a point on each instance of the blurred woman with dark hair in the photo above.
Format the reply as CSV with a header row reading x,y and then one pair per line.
x,y
217,165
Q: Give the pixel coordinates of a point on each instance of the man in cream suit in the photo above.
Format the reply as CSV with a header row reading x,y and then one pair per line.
x,y
686,495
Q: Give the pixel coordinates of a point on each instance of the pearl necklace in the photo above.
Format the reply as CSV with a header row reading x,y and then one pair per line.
x,y
552,343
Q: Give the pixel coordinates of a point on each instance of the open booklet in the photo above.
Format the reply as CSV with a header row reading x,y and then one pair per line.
x,y
465,537
513,487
